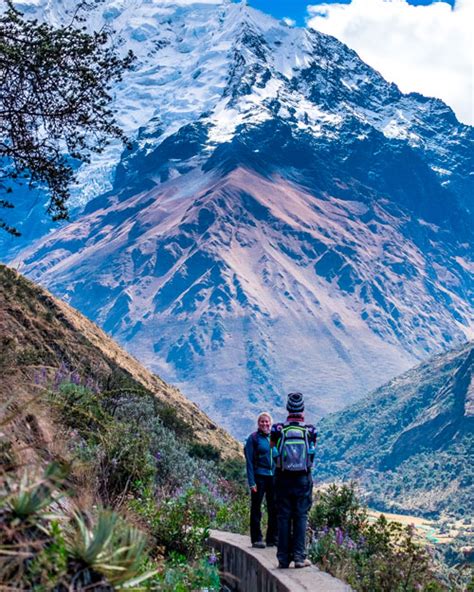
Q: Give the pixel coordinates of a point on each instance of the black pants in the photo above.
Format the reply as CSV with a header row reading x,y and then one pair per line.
x,y
265,487
294,495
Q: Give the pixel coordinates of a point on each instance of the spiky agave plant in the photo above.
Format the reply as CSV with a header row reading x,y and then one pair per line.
x,y
25,514
110,552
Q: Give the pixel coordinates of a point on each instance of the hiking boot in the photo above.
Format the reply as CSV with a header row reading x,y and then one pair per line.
x,y
283,565
258,545
272,544
302,563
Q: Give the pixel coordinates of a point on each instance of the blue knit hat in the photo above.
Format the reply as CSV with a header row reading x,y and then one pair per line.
x,y
295,403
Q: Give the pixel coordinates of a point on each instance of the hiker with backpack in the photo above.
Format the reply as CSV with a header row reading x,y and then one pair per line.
x,y
260,475
293,447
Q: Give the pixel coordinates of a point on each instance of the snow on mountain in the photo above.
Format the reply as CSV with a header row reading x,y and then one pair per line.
x,y
285,219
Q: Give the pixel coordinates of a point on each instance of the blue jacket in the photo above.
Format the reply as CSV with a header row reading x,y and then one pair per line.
x,y
258,456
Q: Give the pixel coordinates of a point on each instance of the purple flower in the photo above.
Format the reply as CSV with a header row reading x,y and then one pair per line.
x,y
212,559
339,536
350,543
75,378
158,456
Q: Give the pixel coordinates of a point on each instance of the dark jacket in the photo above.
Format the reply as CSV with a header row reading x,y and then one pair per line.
x,y
258,456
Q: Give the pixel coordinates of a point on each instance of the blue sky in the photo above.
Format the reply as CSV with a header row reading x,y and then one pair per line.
x,y
421,45
296,9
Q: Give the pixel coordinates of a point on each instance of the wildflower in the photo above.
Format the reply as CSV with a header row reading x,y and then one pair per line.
x,y
339,536
212,559
350,544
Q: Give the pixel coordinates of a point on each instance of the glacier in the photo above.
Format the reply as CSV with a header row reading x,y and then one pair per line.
x,y
286,218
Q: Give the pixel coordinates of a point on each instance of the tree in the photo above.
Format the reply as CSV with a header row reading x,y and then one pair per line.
x,y
55,111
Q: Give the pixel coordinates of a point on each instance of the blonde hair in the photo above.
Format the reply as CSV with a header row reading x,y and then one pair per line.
x,y
265,414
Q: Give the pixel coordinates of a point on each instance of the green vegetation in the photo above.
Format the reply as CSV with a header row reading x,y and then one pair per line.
x,y
410,442
144,472
380,556
54,103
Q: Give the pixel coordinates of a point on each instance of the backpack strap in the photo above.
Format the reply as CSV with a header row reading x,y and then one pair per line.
x,y
255,448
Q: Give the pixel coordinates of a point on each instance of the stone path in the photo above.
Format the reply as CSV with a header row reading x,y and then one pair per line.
x,y
255,570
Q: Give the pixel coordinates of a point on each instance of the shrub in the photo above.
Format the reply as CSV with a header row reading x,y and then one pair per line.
x,y
41,550
204,451
179,576
80,409
179,524
234,470
25,513
338,507
123,461
378,557
172,421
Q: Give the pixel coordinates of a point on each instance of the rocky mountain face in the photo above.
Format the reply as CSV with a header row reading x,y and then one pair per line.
x,y
43,341
410,443
286,218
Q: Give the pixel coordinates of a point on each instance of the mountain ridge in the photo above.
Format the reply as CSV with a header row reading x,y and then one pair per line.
x,y
409,439
362,255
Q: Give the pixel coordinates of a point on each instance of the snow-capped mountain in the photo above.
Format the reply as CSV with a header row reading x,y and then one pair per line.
x,y
285,219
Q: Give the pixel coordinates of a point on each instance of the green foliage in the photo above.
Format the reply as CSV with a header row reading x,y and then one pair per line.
x,y
181,523
55,93
49,567
41,549
172,421
372,557
338,507
80,409
134,462
234,470
27,499
205,451
110,550
184,577
123,461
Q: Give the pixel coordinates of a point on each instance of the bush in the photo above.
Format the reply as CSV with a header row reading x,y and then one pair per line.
x,y
172,421
123,462
179,576
80,409
378,557
204,451
338,507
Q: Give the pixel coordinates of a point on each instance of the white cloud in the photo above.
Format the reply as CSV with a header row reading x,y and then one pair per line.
x,y
289,21
428,49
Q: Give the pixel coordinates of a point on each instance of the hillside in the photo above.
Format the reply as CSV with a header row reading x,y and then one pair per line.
x,y
42,338
411,442
108,476
285,218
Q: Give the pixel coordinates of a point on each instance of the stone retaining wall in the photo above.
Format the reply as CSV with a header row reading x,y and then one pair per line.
x,y
247,569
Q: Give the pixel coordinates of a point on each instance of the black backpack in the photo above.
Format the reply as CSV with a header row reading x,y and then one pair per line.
x,y
293,449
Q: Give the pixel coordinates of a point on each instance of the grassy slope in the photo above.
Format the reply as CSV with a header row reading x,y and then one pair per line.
x,y
39,334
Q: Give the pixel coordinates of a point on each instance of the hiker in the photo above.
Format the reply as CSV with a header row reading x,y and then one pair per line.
x,y
260,475
293,448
